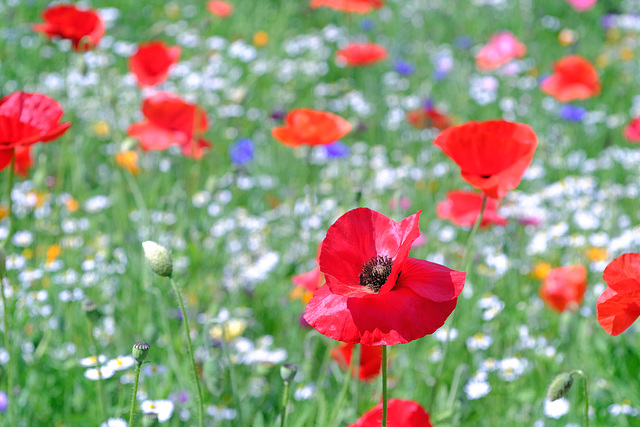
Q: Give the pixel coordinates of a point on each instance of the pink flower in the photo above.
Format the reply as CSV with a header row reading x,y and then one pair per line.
x,y
501,48
582,5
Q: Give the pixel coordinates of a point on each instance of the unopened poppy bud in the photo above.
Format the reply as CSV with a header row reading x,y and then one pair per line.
x,y
158,258
150,419
288,372
140,351
213,373
91,310
3,263
560,386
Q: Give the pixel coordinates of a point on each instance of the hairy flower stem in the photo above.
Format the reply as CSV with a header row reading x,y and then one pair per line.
x,y
285,402
94,343
193,360
465,264
7,345
343,393
384,386
581,374
12,174
132,410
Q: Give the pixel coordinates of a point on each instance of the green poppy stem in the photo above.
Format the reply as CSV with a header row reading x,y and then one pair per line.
x,y
193,360
7,345
465,264
285,402
343,392
94,343
232,376
132,410
12,174
581,374
384,386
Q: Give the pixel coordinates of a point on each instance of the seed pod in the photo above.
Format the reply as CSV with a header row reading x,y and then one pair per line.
x,y
560,386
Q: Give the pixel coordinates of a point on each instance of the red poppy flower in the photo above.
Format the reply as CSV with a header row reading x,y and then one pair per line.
x,y
23,159
313,279
632,130
370,360
304,126
501,48
426,117
171,121
374,293
357,6
83,27
151,63
220,8
400,413
492,155
463,208
564,287
619,305
574,78
27,118
361,54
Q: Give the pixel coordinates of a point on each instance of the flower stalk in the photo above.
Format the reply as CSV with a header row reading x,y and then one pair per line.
x,y
140,350
12,174
384,386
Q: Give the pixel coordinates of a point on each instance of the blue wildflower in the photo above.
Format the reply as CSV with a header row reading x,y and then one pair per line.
x,y
366,24
241,152
404,68
572,113
336,150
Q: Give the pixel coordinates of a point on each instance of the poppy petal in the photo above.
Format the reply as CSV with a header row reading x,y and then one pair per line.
x,y
617,273
430,280
616,312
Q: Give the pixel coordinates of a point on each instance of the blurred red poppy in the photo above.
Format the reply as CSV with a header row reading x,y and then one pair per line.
x,y
632,130
152,62
220,8
370,360
574,78
366,299
357,6
304,126
361,54
23,159
492,155
427,117
501,48
84,27
619,305
563,288
463,208
400,413
27,118
313,279
171,121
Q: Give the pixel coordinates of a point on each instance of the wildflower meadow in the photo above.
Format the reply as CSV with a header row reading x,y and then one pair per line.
x,y
324,213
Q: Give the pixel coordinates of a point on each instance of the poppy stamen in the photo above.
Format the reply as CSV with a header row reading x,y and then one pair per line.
x,y
375,272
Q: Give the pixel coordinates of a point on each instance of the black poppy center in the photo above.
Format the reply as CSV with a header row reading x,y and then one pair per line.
x,y
375,272
485,176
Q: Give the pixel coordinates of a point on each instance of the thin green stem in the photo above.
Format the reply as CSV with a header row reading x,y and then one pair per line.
x,y
581,374
285,402
384,386
12,174
94,343
190,346
335,414
320,403
7,344
232,375
465,264
132,410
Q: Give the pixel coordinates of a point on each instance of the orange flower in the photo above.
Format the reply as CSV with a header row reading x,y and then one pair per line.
x,y
357,6
564,287
304,126
220,8
574,78
362,54
128,160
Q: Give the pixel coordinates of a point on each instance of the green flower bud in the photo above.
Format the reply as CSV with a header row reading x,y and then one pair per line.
x,y
560,386
140,351
91,310
213,373
288,372
158,258
150,419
